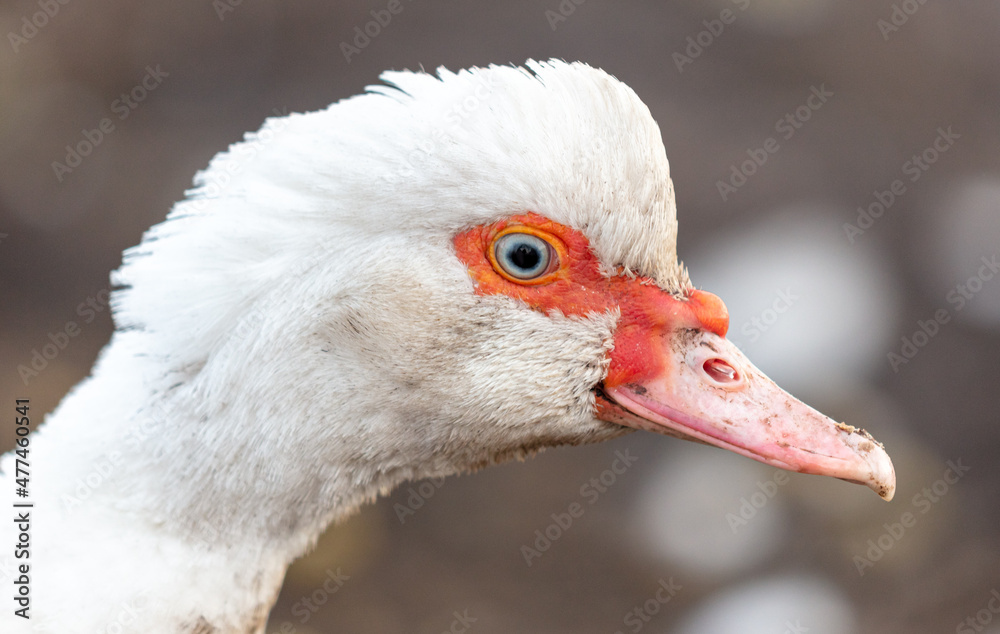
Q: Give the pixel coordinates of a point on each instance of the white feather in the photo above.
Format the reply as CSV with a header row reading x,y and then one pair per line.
x,y
298,337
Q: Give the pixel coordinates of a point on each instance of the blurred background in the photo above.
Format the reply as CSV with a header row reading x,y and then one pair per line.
x,y
856,250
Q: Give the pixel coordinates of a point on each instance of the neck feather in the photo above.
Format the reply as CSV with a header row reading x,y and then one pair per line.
x,y
137,466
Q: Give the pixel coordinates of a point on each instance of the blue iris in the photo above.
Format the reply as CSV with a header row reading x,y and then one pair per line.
x,y
523,255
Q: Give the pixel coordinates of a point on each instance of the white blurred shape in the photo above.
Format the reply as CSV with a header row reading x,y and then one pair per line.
x,y
957,237
789,603
787,18
689,512
809,309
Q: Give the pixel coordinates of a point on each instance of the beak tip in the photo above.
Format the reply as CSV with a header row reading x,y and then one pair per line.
x,y
884,486
882,483
883,480
881,474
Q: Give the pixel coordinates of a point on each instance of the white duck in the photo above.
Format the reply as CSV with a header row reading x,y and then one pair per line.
x,y
438,275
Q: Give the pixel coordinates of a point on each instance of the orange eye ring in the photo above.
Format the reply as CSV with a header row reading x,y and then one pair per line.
x,y
553,269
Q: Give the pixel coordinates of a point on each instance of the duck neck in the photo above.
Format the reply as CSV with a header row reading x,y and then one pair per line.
x,y
214,497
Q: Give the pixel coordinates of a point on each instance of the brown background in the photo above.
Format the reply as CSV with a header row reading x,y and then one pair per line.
x,y
460,551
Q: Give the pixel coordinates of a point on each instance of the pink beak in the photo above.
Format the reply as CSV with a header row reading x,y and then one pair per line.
x,y
676,374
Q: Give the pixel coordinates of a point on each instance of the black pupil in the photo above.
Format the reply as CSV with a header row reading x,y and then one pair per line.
x,y
525,257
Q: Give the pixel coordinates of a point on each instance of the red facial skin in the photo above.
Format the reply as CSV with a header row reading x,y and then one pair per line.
x,y
698,387
576,286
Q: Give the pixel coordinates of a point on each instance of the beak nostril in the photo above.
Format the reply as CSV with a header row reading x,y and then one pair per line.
x,y
720,371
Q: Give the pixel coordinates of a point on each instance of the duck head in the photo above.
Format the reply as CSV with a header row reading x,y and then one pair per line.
x,y
449,271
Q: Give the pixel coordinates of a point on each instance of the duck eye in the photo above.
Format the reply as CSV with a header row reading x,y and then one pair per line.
x,y
523,256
